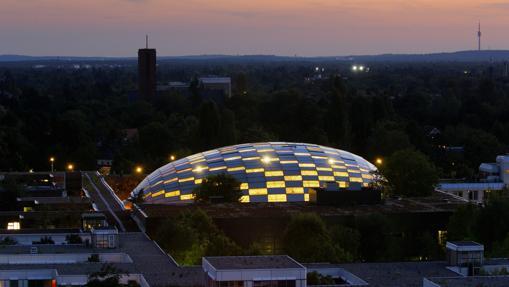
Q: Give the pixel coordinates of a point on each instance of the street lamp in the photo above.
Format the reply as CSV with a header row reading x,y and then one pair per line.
x,y
70,167
379,161
52,161
139,169
172,157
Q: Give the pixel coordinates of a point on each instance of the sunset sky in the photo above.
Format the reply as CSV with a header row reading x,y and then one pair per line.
x,y
282,27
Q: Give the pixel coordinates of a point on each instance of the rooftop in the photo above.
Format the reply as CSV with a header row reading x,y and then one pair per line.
x,y
492,281
253,262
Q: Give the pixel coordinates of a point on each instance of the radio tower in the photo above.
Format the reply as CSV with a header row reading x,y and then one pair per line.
x,y
479,34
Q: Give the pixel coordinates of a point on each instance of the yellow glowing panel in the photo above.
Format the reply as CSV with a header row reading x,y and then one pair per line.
x,y
171,180
266,150
342,184
277,197
253,170
309,172
198,161
187,197
251,158
258,191
319,157
198,181
244,199
274,173
341,173
338,166
355,179
184,170
247,150
353,170
293,177
217,168
306,197
244,186
288,162
326,178
367,176
294,190
324,168
311,183
156,194
238,168
199,169
365,184
186,179
307,165
275,184
232,158
172,194
302,153
147,195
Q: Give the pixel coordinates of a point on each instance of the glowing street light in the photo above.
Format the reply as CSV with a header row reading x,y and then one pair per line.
x,y
379,161
172,157
52,161
70,167
139,169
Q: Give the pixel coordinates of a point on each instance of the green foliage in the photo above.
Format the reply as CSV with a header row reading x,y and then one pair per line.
x,y
307,240
218,188
410,173
108,276
8,241
315,278
192,235
461,224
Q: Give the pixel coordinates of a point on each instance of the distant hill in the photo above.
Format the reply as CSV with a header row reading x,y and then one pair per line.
x,y
460,56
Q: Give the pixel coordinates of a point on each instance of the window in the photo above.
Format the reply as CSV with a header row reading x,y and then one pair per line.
x,y
309,172
274,173
13,225
341,173
277,198
258,191
186,197
253,170
274,184
326,178
306,164
238,168
244,186
293,178
156,194
294,190
244,199
311,183
186,179
172,194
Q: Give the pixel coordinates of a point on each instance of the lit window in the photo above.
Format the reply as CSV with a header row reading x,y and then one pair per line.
x,y
302,154
268,159
156,194
253,170
232,158
324,168
306,197
289,162
217,168
146,195
274,173
353,170
355,179
326,178
13,225
199,169
198,161
184,170
238,168
275,184
367,176
251,158
186,179
172,194
309,172
311,183
342,184
186,197
293,178
171,180
258,191
247,150
306,164
198,181
266,150
319,157
27,209
294,190
341,173
277,197
244,186
335,166
244,199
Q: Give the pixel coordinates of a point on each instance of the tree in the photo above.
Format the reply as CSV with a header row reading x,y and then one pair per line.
x,y
222,187
209,126
108,276
462,223
306,239
410,173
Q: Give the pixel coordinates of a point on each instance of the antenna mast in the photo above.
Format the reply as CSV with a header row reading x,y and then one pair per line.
x,y
146,41
479,34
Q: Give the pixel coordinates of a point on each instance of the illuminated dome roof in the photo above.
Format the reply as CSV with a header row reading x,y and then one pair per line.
x,y
268,172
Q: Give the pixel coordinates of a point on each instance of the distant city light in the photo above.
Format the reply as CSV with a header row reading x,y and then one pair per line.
x,y
355,68
70,167
172,157
52,159
359,68
139,169
379,161
317,69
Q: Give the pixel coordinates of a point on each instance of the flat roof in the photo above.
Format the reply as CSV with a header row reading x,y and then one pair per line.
x,y
492,281
253,262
